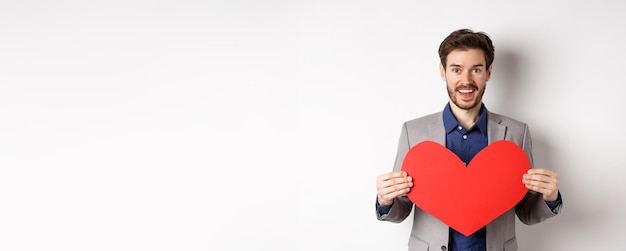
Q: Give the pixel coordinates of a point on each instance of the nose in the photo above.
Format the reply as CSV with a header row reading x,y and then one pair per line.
x,y
466,78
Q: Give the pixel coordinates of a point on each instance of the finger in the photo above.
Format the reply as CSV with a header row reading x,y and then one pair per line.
x,y
396,194
541,190
393,179
536,189
391,175
542,187
541,171
391,193
538,180
400,189
537,177
539,184
395,184
542,175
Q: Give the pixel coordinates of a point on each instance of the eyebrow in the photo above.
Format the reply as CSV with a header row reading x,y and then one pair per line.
x,y
474,66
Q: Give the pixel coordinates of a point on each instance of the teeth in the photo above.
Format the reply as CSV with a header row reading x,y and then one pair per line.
x,y
466,91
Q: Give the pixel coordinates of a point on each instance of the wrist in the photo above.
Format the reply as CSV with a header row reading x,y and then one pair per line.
x,y
383,203
551,198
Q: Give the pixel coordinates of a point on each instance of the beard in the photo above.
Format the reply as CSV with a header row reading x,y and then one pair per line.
x,y
476,102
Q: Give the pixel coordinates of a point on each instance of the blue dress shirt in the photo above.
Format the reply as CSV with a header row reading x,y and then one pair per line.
x,y
466,143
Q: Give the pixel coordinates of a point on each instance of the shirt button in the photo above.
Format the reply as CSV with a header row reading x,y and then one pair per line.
x,y
464,136
459,128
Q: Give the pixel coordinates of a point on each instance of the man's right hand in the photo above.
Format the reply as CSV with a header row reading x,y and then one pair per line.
x,y
392,185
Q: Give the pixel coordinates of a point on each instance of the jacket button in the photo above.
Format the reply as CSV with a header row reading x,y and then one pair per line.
x,y
444,248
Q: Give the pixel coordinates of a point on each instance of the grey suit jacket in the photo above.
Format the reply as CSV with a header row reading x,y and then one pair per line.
x,y
429,233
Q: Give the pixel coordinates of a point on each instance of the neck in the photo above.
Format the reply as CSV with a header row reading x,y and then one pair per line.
x,y
467,118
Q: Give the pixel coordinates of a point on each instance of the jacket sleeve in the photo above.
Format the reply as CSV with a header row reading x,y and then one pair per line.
x,y
402,206
533,209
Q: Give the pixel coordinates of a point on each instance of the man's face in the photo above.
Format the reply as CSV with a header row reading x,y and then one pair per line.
x,y
466,76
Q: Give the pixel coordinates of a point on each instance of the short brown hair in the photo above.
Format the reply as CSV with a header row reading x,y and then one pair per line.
x,y
466,39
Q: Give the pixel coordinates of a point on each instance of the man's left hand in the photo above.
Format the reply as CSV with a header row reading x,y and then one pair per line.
x,y
543,181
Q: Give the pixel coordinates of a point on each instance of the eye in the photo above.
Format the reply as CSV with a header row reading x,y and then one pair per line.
x,y
476,70
456,70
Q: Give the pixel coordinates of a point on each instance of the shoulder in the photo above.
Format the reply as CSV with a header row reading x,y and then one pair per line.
x,y
506,121
425,127
424,120
513,126
429,127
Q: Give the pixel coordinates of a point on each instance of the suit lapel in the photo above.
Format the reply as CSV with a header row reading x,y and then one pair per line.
x,y
437,131
495,130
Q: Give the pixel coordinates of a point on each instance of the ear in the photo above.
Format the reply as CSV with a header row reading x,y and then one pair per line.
x,y
442,71
489,73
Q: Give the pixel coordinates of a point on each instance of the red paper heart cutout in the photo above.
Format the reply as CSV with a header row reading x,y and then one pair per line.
x,y
466,198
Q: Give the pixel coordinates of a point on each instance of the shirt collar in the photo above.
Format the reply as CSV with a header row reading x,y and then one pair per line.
x,y
450,123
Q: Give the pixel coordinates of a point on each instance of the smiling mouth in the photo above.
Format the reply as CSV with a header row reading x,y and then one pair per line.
x,y
466,94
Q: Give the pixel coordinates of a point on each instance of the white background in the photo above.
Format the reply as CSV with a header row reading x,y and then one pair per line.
x,y
262,125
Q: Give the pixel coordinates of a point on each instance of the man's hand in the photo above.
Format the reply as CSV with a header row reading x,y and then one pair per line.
x,y
543,181
392,185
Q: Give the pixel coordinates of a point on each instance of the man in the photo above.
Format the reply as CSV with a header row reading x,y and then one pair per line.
x,y
465,126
